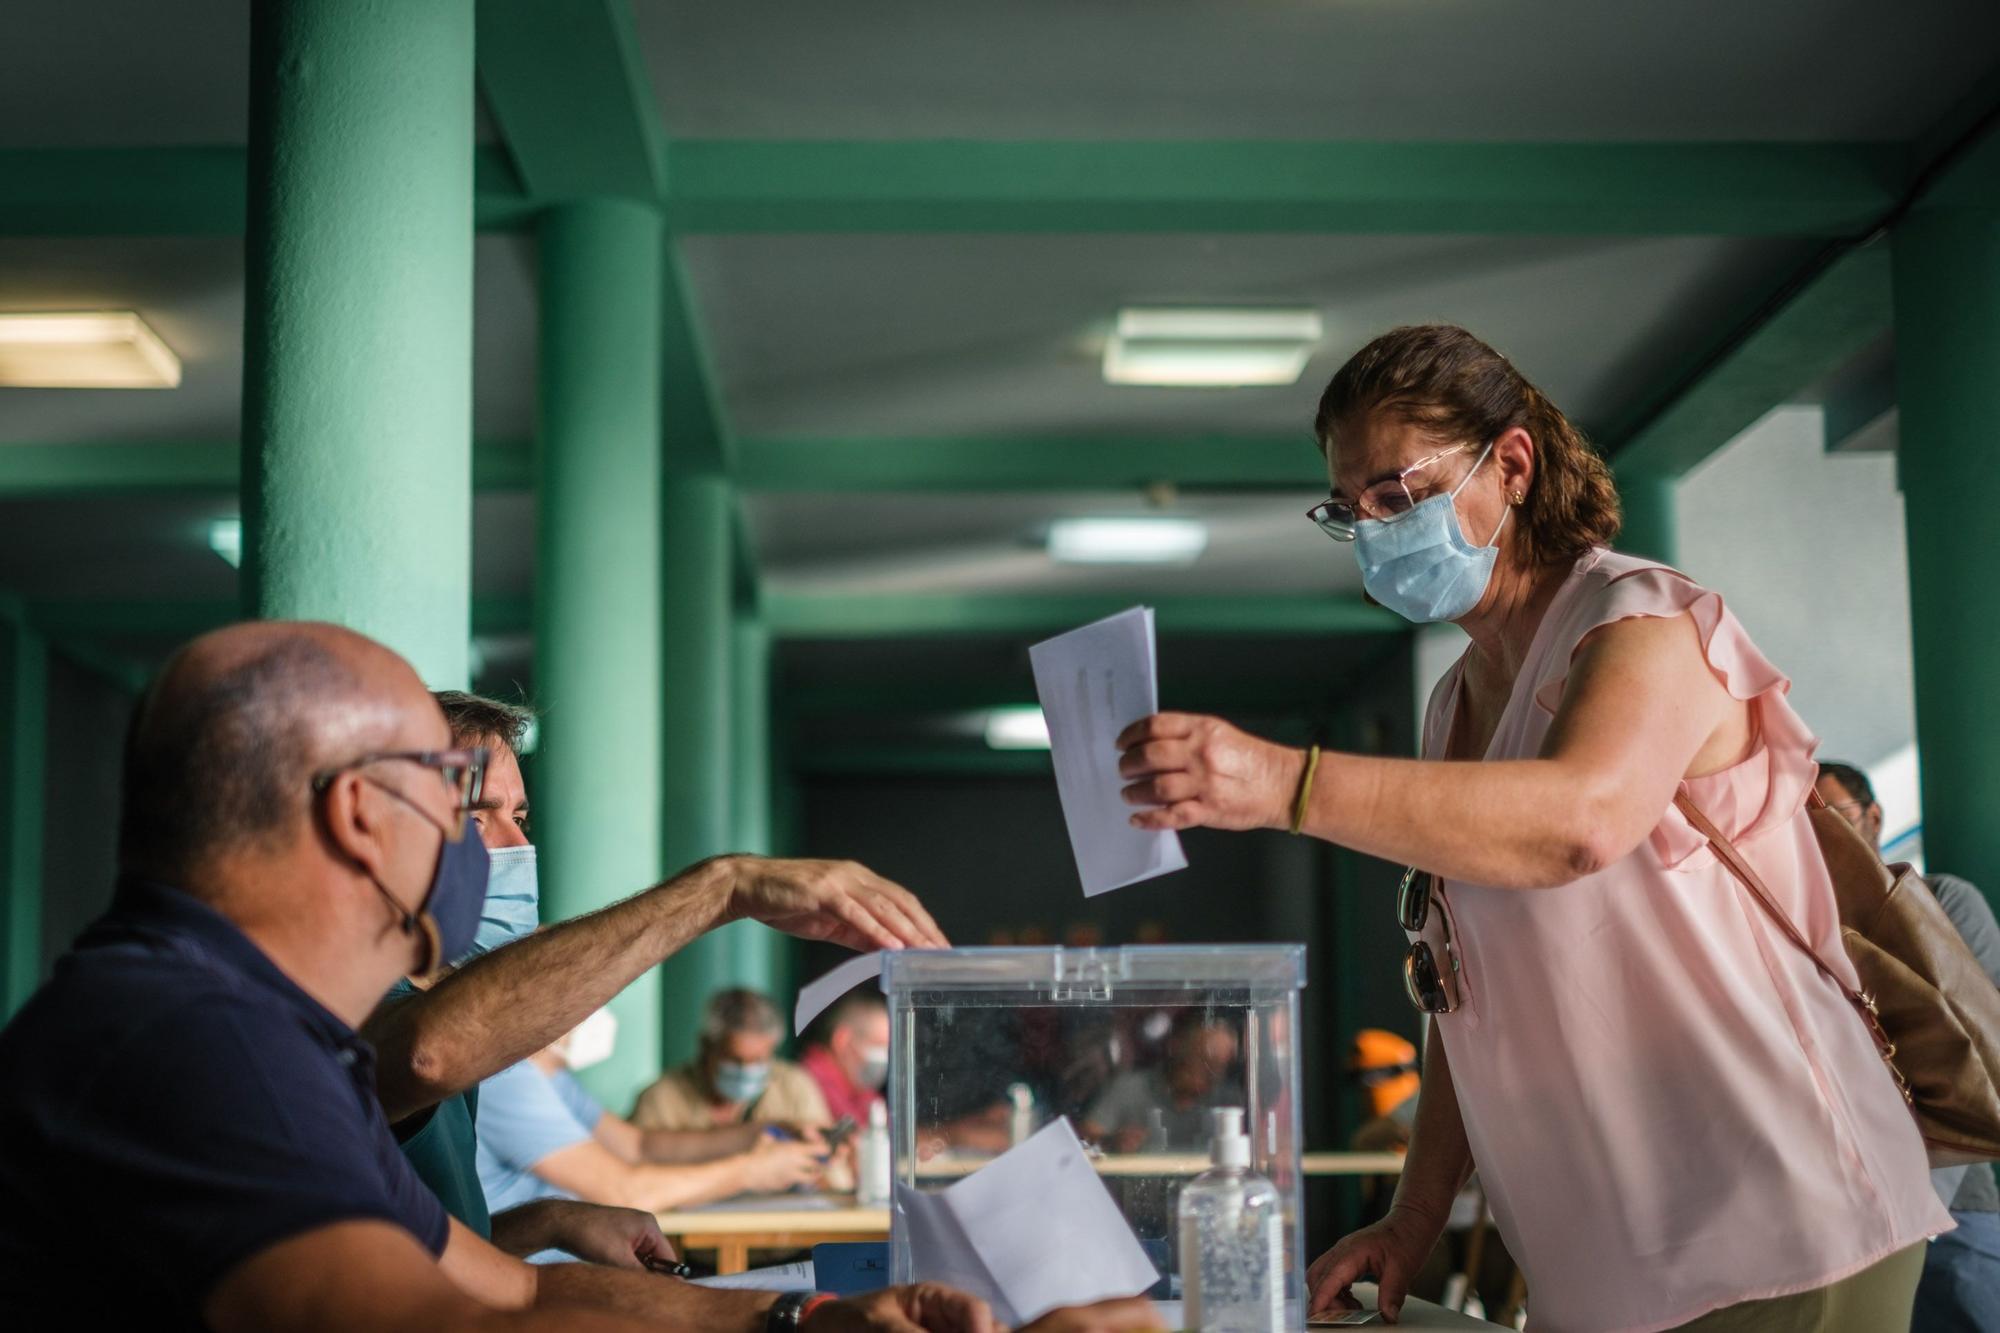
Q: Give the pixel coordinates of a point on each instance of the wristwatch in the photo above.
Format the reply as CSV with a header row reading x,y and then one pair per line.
x,y
790,1310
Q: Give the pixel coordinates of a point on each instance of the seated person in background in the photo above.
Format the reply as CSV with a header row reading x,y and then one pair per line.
x,y
851,1063
1165,1108
543,1136
497,1009
735,1077
1960,1287
291,840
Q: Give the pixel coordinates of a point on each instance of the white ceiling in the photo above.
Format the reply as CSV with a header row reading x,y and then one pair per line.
x,y
997,335
1315,69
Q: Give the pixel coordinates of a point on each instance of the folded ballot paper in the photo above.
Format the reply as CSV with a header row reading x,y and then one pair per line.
x,y
1093,683
1032,1229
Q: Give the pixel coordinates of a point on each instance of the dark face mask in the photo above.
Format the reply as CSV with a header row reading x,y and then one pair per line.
x,y
448,917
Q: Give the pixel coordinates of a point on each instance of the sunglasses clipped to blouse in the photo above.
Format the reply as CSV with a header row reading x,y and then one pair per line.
x,y
1433,990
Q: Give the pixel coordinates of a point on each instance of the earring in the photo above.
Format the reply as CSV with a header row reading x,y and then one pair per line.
x,y
1516,498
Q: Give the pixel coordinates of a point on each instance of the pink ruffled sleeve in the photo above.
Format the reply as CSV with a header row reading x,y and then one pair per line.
x,y
1764,791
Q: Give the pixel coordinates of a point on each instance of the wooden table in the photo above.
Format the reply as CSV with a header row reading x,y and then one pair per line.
x,y
782,1222
1187,1164
779,1223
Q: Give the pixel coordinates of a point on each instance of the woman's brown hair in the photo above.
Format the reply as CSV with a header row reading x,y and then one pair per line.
x,y
1453,387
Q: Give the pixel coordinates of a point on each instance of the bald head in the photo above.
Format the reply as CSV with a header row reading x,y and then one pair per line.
x,y
223,745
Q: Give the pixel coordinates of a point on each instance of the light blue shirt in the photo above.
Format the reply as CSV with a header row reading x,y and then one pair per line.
x,y
524,1116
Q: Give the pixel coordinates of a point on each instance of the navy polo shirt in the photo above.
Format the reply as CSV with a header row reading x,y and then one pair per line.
x,y
170,1105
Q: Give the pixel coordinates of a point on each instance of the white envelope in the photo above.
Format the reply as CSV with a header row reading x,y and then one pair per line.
x,y
1093,683
1032,1229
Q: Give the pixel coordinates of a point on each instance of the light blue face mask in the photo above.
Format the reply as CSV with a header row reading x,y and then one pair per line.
x,y
513,900
1419,565
741,1083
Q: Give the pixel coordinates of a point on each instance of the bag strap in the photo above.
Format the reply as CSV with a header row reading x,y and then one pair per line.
x,y
1725,852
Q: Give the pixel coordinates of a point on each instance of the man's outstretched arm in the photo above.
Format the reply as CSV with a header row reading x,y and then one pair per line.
x,y
503,1007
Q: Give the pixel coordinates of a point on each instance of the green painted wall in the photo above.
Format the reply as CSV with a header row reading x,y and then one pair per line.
x,y
1650,526
1947,293
357,402
597,639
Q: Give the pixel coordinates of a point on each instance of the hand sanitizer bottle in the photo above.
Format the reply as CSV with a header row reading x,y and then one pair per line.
x,y
871,1160
1232,1234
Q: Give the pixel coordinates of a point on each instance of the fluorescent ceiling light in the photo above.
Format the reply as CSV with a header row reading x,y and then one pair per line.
x,y
104,349
225,538
1189,365
1150,540
1017,729
1216,348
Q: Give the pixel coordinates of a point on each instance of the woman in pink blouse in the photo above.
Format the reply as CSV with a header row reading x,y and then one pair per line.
x,y
1678,1121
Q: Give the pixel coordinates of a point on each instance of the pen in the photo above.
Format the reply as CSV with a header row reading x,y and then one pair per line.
x,y
669,1268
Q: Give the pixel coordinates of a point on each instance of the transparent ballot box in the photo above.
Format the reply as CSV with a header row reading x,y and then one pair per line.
x,y
1136,1046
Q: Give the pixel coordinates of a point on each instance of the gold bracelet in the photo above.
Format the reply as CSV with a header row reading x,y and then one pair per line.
x,y
1305,790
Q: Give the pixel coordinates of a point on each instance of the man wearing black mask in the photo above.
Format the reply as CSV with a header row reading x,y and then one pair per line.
x,y
292,840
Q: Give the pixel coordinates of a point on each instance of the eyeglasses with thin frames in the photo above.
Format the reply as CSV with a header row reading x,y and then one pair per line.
x,y
1433,990
1388,498
462,771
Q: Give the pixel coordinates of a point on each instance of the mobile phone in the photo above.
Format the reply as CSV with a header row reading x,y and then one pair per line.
x,y
1343,1319
839,1132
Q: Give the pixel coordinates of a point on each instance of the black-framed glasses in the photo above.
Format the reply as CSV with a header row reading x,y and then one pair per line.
x,y
1389,498
462,771
1432,988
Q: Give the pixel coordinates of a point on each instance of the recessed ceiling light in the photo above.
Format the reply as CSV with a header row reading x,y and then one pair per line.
x,y
102,349
1017,729
1214,348
225,538
1149,540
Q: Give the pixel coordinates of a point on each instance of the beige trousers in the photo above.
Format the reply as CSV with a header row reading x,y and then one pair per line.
x,y
1875,1300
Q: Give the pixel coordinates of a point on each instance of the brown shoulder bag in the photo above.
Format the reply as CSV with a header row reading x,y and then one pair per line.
x,y
1934,1013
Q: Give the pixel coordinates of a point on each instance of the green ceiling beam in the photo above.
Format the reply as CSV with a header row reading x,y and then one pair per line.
x,y
1732,189
934,760
852,616
1832,319
567,85
51,470
1033,463
933,694
101,617
181,191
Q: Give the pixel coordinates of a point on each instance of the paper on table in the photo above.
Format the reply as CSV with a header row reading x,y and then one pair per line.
x,y
815,996
1032,1229
1093,683
780,1277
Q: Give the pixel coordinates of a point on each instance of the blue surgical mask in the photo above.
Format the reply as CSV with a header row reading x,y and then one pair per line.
x,y
513,901
741,1083
1419,565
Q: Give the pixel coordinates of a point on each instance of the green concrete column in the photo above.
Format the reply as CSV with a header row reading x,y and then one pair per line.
x,y
357,375
24,697
1651,526
1946,266
765,958
699,817
597,588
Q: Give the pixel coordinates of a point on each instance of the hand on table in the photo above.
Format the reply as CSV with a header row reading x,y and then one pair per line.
x,y
775,1165
1192,770
1391,1252
838,901
1131,1312
925,1307
934,1308
616,1237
